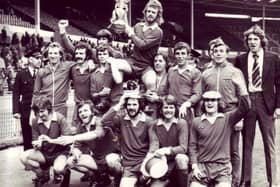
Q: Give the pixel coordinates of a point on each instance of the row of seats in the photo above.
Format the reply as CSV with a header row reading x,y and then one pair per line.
x,y
48,20
14,20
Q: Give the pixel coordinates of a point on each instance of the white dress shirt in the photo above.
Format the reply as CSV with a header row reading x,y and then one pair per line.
x,y
251,60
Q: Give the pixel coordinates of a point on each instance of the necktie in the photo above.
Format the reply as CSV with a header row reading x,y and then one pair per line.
x,y
256,77
34,73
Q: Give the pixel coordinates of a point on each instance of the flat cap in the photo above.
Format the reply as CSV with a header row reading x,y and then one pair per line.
x,y
211,95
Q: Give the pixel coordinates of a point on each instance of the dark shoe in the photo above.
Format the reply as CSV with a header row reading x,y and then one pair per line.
x,y
104,180
93,184
93,181
116,182
66,178
235,184
85,178
57,178
40,181
245,184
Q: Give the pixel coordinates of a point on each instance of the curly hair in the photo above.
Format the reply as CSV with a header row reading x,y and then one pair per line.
x,y
83,45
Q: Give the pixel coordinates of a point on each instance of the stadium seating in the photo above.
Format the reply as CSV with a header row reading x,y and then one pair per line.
x,y
47,19
14,20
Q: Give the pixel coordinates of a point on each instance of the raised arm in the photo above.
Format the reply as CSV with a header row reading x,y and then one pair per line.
x,y
66,43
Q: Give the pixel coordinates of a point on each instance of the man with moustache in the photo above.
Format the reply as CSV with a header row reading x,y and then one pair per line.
x,y
137,137
80,75
104,36
261,70
22,95
184,81
146,37
53,79
209,144
219,77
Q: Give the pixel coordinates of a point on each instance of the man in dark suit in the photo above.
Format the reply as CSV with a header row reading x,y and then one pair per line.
x,y
22,94
261,70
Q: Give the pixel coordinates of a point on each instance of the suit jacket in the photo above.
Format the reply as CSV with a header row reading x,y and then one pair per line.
x,y
270,78
22,93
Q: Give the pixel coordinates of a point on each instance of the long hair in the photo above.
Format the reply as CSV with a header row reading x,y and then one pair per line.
x,y
256,30
165,58
102,48
42,103
105,33
141,102
83,103
170,100
155,4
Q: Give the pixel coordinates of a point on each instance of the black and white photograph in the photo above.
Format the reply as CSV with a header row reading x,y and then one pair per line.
x,y
140,93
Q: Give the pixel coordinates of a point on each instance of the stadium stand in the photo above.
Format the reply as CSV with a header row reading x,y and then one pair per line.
x,y
47,19
14,20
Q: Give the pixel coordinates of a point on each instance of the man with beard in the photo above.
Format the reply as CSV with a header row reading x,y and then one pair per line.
x,y
137,137
80,75
209,144
184,81
262,74
219,77
146,37
22,95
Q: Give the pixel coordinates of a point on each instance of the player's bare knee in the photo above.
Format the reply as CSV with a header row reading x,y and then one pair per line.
x,y
112,158
182,161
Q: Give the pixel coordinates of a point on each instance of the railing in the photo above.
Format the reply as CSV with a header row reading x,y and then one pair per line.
x,y
10,130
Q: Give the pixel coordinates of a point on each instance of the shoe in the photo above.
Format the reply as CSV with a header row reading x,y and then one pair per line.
x,y
100,180
85,178
104,179
235,184
40,181
66,179
57,178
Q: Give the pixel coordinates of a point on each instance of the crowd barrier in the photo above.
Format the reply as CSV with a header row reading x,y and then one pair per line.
x,y
10,130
